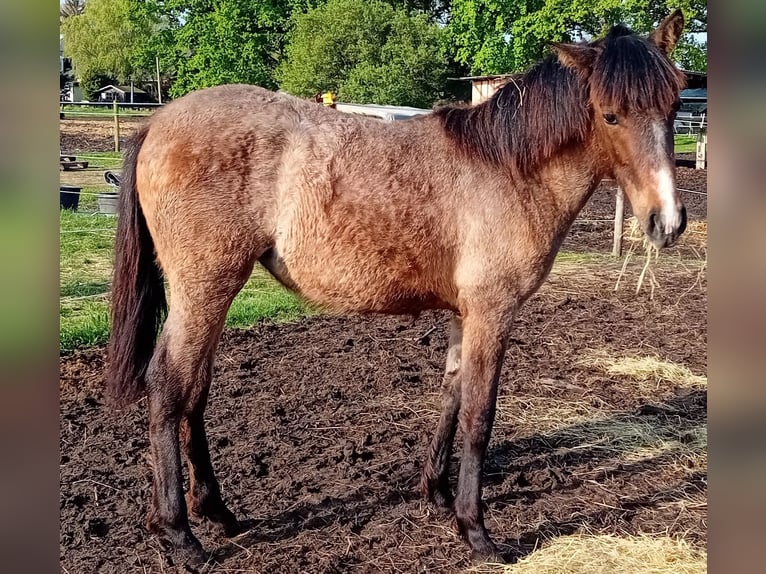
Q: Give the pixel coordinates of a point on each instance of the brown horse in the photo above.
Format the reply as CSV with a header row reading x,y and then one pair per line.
x,y
463,209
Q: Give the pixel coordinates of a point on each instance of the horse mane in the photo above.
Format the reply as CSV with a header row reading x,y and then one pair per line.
x,y
526,120
538,113
631,73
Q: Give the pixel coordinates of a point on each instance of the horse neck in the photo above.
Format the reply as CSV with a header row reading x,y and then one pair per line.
x,y
563,186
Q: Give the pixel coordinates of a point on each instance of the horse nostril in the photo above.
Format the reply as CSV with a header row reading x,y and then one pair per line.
x,y
653,225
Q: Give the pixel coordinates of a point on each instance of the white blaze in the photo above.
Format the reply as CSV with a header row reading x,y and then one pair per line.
x,y
670,215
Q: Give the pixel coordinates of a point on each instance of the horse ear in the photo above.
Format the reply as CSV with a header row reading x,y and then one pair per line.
x,y
668,32
579,57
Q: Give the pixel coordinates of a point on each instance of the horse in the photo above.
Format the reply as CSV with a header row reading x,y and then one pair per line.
x,y
462,209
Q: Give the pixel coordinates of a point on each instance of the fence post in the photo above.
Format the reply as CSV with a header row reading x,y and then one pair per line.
x,y
702,148
619,214
116,125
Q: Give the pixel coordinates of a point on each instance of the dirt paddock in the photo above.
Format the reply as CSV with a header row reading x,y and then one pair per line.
x,y
318,429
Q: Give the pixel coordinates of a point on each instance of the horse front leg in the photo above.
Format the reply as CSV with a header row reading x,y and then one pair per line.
x,y
434,479
484,338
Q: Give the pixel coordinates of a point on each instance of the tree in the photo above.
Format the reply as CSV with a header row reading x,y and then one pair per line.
x,y
367,52
212,42
105,39
71,8
493,36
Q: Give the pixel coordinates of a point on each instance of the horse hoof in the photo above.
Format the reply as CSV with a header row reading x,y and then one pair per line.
x,y
218,516
442,501
228,526
494,557
180,544
191,555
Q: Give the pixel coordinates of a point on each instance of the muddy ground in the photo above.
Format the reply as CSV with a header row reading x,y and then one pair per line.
x,y
318,429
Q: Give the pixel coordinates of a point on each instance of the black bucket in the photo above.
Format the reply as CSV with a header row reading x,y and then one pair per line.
x,y
69,197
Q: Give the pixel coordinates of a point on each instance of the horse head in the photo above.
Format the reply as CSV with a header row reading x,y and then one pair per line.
x,y
634,94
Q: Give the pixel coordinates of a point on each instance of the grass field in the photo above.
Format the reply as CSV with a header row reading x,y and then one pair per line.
x,y
85,273
685,144
73,111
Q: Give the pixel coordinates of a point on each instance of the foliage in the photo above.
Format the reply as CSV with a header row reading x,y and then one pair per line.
x,y
437,10
691,54
104,39
366,52
204,43
71,8
498,36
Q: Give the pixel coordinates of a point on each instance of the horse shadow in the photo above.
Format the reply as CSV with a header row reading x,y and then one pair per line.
x,y
355,510
507,461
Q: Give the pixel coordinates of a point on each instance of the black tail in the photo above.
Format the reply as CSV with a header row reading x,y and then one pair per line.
x,y
138,292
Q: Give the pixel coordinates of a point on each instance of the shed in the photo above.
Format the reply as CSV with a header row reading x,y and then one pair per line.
x,y
123,94
484,87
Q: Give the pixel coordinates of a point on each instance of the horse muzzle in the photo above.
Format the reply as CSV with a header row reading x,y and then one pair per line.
x,y
663,228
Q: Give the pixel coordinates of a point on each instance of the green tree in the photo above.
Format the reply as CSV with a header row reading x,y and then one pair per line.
x,y
105,39
71,8
205,43
367,52
497,36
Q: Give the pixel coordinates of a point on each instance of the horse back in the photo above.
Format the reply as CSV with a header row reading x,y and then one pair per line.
x,y
352,212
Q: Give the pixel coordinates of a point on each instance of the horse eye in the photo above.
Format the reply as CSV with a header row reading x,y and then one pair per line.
x,y
611,119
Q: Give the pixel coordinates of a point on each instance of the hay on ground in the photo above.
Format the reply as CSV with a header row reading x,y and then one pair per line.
x,y
609,554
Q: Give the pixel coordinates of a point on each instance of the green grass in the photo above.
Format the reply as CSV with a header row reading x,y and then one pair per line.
x,y
685,144
85,259
86,111
86,244
102,159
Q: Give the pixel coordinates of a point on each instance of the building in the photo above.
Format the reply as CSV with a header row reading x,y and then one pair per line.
x,y
123,94
692,115
484,87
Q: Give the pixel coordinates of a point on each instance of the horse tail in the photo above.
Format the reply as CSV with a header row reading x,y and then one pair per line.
x,y
138,292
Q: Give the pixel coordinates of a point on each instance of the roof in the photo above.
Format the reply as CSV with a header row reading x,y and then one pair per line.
x,y
694,94
385,112
489,77
691,73
123,89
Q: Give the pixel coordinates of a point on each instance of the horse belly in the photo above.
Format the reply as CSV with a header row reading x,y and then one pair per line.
x,y
359,277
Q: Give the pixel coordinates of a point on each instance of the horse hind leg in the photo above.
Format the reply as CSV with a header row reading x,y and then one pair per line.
x,y
204,498
178,381
434,479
